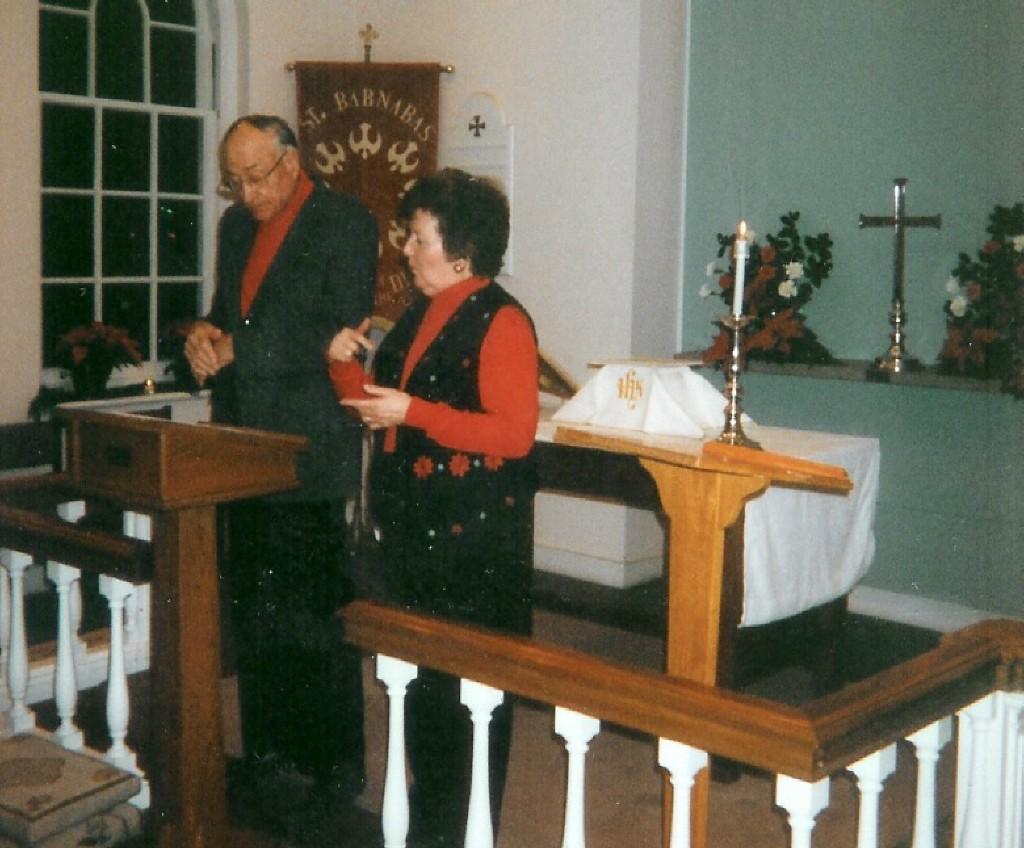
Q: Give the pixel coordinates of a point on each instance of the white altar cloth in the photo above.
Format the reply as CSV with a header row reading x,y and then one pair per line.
x,y
801,548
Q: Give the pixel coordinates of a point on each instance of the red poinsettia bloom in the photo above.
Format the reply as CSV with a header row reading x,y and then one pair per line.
x,y
776,332
768,253
725,282
991,246
719,348
973,292
423,467
459,465
493,463
456,529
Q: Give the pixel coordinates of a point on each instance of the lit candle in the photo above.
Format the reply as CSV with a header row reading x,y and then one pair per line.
x,y
741,268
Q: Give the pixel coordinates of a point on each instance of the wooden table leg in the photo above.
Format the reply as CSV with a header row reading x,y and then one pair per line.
x,y
700,505
189,797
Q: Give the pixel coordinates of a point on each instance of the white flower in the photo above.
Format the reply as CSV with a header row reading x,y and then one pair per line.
x,y
1018,243
787,289
958,305
710,270
705,290
794,270
952,285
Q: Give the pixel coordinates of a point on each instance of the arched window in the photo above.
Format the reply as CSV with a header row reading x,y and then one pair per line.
x,y
128,189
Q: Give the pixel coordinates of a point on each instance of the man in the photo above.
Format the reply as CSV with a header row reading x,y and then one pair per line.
x,y
296,263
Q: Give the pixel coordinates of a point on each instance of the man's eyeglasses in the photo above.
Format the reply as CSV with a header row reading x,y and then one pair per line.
x,y
235,186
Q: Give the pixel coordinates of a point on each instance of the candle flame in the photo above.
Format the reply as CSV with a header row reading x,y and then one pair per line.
x,y
742,230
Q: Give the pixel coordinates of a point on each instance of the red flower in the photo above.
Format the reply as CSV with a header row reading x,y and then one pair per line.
x,y
973,291
456,529
725,281
991,246
423,467
768,253
1020,271
493,463
459,465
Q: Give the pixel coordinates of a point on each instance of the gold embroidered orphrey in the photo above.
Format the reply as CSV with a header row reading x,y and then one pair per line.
x,y
370,129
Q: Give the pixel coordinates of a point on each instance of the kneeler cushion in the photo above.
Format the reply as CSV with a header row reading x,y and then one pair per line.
x,y
46,789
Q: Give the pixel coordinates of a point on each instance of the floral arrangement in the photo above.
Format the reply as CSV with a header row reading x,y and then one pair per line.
x,y
985,309
90,352
780,278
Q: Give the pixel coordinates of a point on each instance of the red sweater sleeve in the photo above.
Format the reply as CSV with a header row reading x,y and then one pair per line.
x,y
348,379
508,393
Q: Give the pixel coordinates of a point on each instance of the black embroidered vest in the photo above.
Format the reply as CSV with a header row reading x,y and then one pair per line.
x,y
448,506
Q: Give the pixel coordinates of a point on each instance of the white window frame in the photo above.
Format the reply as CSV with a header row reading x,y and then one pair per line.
x,y
217,75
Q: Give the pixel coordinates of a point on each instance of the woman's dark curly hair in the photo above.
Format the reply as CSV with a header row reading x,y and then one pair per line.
x,y
472,217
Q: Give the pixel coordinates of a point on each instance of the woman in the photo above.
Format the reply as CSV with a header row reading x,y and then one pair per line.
x,y
456,402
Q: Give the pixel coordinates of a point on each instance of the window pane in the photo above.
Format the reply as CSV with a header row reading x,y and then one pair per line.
x,y
119,50
125,237
67,236
126,305
68,160
172,11
178,234
180,142
64,307
125,150
63,54
173,60
176,305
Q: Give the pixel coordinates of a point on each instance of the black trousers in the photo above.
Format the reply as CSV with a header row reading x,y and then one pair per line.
x,y
486,584
300,686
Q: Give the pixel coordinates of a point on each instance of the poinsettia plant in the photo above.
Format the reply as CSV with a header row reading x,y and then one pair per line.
x,y
985,309
97,343
780,276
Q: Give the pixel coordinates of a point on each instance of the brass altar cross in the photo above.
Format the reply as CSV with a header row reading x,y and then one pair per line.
x,y
895,360
369,35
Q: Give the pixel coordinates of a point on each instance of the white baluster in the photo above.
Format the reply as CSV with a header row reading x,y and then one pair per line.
x,y
682,763
65,686
396,675
1013,783
136,525
871,773
481,701
73,512
118,707
577,730
928,742
20,718
803,801
5,641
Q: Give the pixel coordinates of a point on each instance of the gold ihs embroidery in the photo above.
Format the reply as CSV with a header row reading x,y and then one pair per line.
x,y
631,388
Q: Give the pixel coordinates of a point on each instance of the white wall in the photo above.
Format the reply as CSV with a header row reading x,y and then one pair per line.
x,y
20,267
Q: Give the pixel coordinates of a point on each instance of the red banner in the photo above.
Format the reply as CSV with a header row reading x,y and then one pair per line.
x,y
370,129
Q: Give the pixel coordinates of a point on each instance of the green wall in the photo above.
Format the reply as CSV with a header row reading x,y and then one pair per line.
x,y
816,105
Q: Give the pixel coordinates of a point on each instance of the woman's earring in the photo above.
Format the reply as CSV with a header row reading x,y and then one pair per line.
x,y
459,267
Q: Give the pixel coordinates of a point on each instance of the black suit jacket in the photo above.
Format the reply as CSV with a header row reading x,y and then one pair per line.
x,y
322,279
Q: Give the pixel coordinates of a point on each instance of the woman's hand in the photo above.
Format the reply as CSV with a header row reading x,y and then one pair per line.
x,y
350,343
385,407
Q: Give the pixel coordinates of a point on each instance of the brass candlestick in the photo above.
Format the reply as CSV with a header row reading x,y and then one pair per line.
x,y
732,432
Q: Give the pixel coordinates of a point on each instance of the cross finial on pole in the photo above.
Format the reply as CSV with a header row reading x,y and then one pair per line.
x,y
895,359
369,35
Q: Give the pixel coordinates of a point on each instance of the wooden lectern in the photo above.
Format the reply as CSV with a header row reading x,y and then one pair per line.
x,y
177,473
